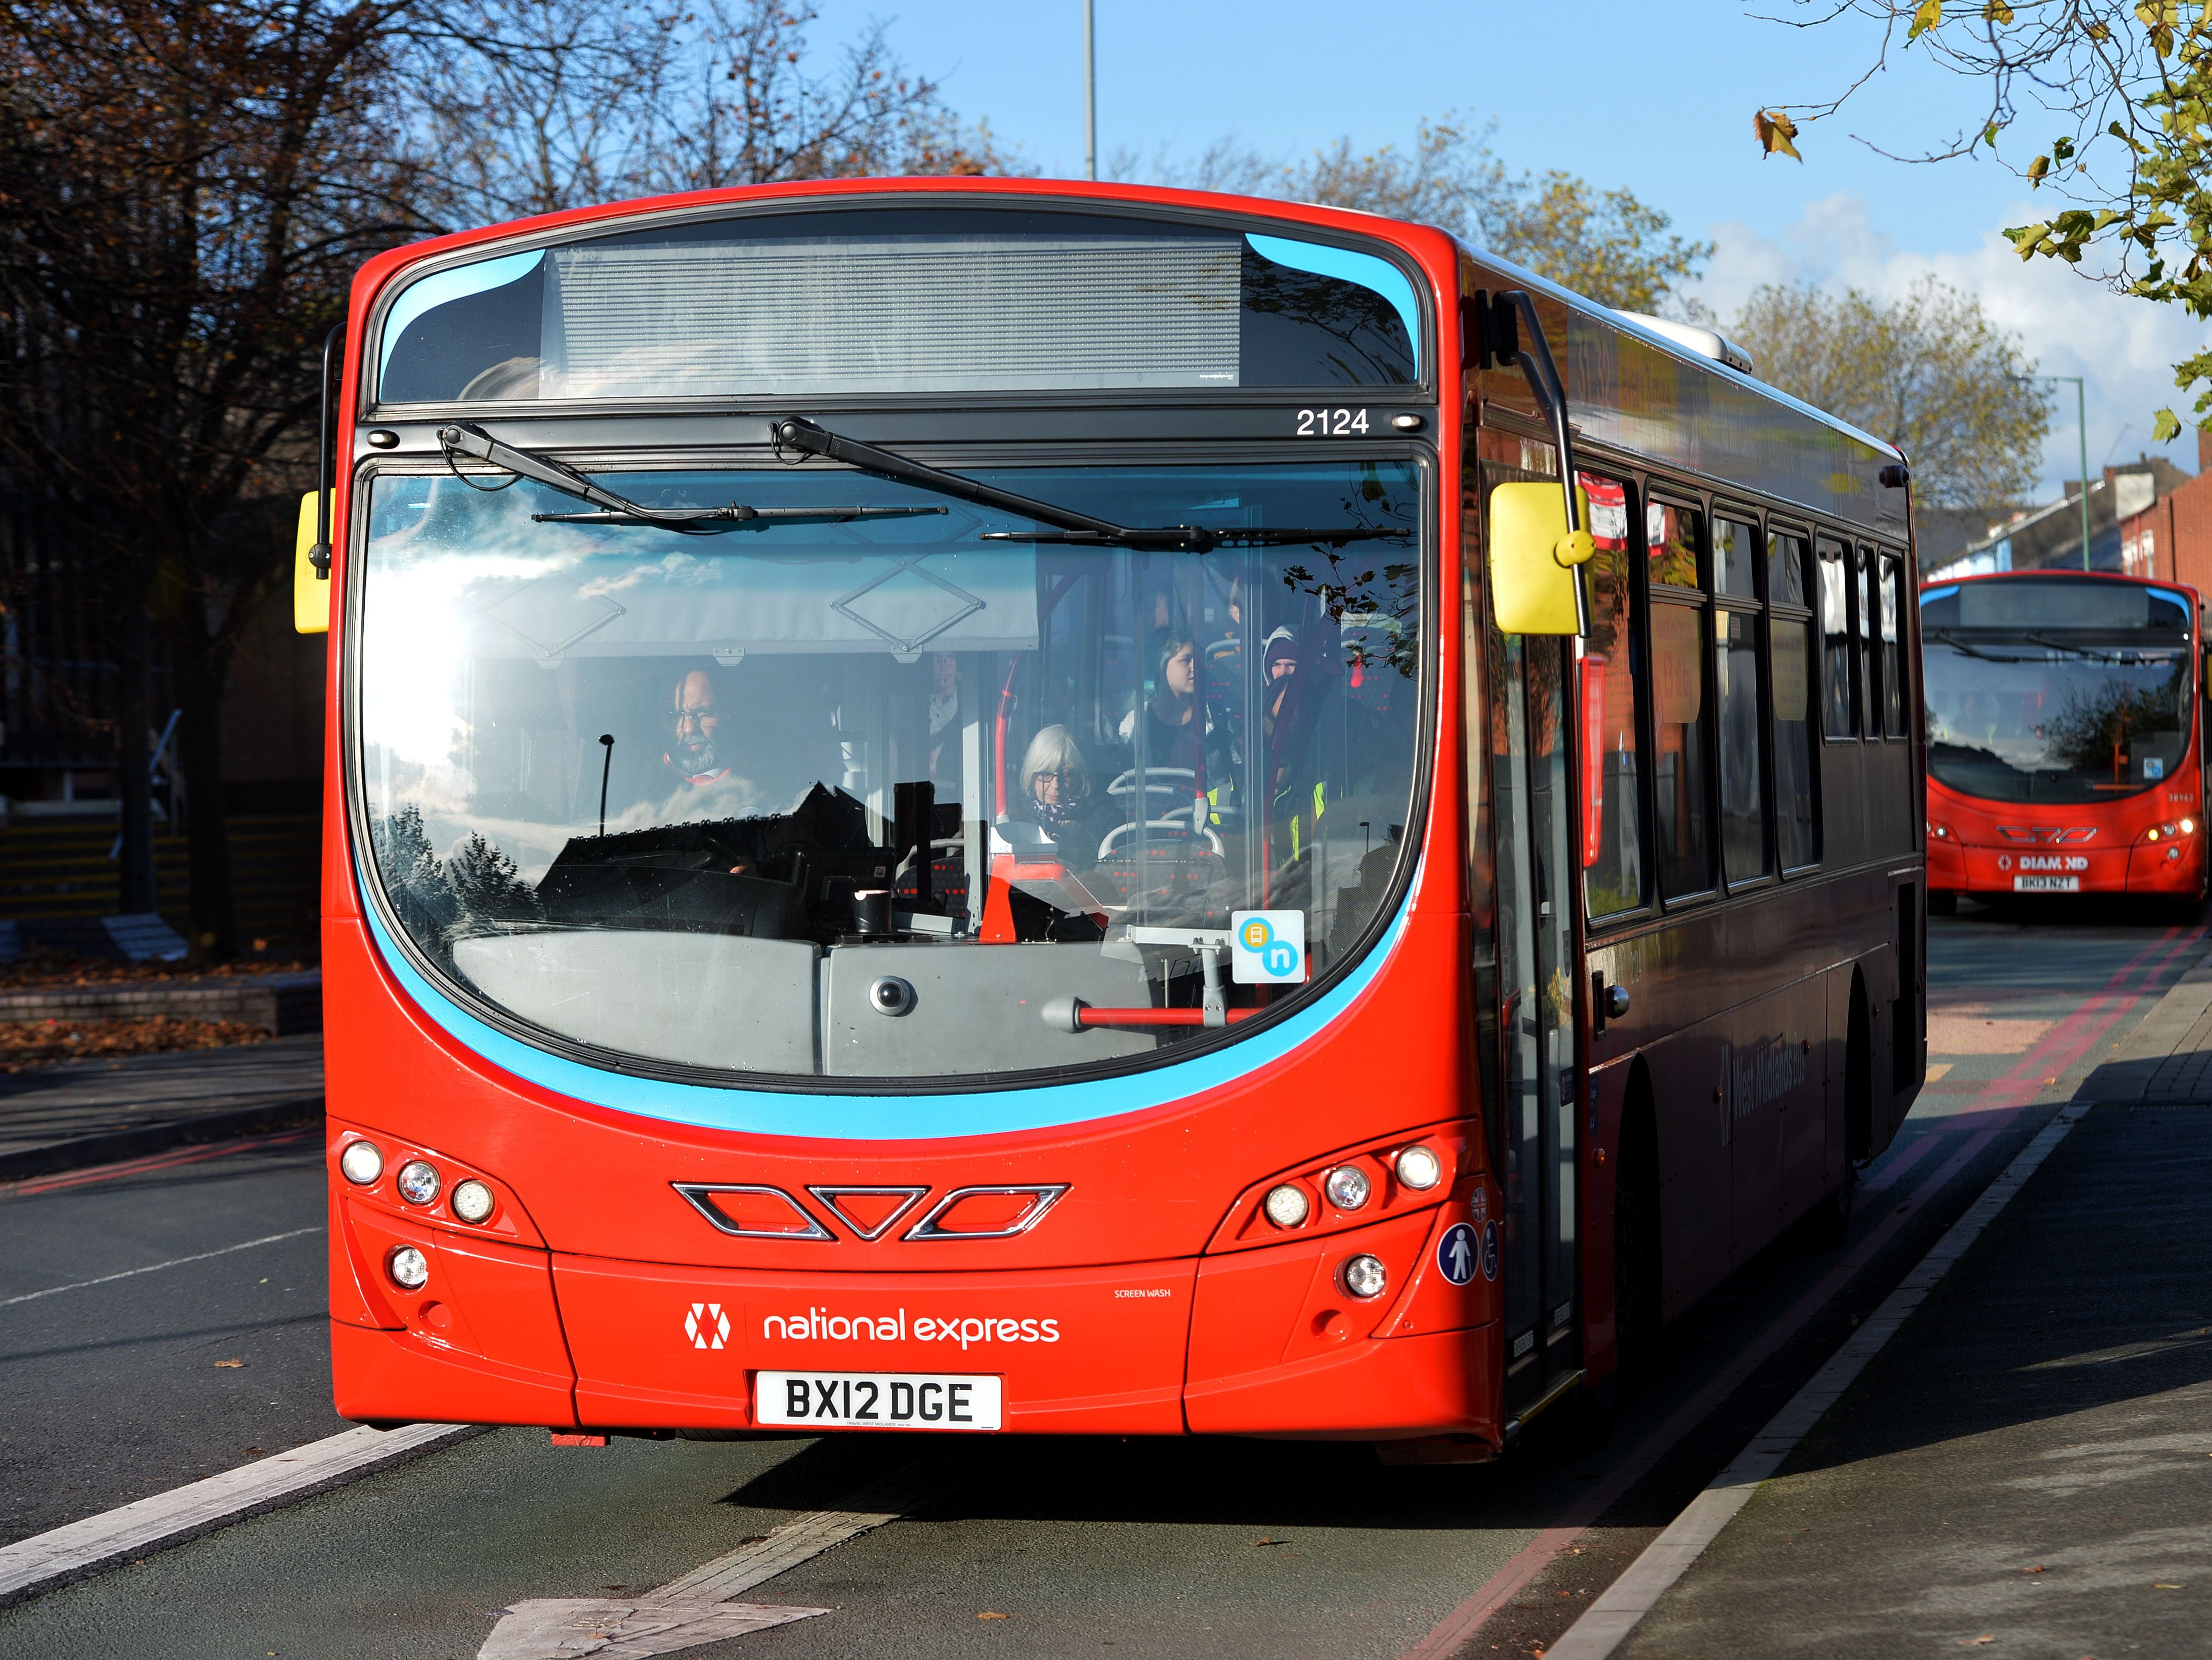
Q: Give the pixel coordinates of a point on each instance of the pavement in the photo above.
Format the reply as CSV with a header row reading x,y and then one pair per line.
x,y
1169,1547
76,1113
2025,1468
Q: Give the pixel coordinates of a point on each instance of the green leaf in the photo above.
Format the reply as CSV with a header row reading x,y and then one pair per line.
x,y
2036,170
2166,427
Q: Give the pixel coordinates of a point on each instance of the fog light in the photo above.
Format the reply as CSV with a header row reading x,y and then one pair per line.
x,y
1287,1206
360,1163
1348,1187
472,1201
418,1182
1365,1276
409,1268
1419,1169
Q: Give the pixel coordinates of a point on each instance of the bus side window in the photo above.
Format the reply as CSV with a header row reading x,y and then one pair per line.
x,y
1790,647
1736,557
1612,784
1862,588
1839,710
1681,666
1892,654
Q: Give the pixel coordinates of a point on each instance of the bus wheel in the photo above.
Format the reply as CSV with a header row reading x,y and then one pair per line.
x,y
1942,902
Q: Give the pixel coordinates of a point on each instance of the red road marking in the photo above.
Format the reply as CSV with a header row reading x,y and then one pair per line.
x,y
1904,1162
1455,1629
152,1162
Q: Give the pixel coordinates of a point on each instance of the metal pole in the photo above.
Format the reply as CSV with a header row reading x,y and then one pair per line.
x,y
2082,431
2081,427
1090,96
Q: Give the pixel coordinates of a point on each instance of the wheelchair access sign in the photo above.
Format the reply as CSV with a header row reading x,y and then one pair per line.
x,y
1269,947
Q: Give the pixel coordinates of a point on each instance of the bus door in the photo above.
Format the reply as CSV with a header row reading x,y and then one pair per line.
x,y
1537,876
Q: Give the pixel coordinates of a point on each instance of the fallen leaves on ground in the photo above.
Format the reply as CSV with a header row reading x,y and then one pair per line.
x,y
25,1043
230,1363
989,1616
41,970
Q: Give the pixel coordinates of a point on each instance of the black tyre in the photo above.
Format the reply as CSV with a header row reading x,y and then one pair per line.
x,y
1942,902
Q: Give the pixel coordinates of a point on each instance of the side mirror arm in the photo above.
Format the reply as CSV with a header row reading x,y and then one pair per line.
x,y
320,555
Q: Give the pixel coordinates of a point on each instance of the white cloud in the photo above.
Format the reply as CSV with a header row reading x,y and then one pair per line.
x,y
2124,348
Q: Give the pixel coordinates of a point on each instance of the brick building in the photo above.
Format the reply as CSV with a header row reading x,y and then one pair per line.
x,y
2172,536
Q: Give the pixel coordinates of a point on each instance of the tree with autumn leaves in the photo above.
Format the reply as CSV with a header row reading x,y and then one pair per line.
x,y
2105,104
185,190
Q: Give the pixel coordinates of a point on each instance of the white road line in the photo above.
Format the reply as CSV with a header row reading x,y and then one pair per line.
x,y
1608,1621
155,1267
49,1560
695,1608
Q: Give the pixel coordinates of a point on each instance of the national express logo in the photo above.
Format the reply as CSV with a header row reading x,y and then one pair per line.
x,y
815,1326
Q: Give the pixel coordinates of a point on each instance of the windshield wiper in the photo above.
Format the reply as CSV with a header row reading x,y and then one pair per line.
x,y
1070,526
465,438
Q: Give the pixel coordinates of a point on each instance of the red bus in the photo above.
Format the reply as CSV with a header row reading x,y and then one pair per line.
x,y
2063,754
930,824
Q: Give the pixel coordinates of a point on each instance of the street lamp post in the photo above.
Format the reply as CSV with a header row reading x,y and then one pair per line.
x,y
1090,96
2081,428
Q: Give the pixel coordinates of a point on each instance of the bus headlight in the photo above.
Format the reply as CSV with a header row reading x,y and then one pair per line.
x,y
472,1201
1364,1276
361,1163
1419,1169
1348,1187
418,1182
1287,1206
409,1268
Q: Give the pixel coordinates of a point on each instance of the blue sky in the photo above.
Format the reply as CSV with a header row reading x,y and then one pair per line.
x,y
1658,98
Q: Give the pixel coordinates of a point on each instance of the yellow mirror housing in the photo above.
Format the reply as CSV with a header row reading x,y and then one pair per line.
x,y
311,588
1535,561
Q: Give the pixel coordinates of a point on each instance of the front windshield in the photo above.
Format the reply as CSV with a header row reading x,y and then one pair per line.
x,y
883,799
2045,717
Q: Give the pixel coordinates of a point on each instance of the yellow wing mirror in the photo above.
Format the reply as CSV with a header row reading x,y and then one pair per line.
x,y
310,584
1535,561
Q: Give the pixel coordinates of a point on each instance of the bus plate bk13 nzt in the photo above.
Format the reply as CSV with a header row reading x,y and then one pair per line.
x,y
878,1400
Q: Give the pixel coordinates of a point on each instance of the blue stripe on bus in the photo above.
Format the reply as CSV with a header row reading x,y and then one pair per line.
x,y
1365,271
887,1117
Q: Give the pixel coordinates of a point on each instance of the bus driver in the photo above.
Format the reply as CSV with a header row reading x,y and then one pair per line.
x,y
695,730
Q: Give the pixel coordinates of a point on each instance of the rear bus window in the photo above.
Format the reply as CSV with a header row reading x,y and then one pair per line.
x,y
1893,653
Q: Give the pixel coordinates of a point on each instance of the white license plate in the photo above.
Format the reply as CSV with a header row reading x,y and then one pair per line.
x,y
2046,884
877,1400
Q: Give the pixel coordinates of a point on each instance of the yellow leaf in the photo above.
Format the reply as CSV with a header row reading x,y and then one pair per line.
x,y
2036,169
1928,16
1775,131
1998,12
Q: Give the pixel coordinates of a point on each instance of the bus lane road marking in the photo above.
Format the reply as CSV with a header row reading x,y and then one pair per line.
x,y
2068,1035
155,1268
47,1561
697,1608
